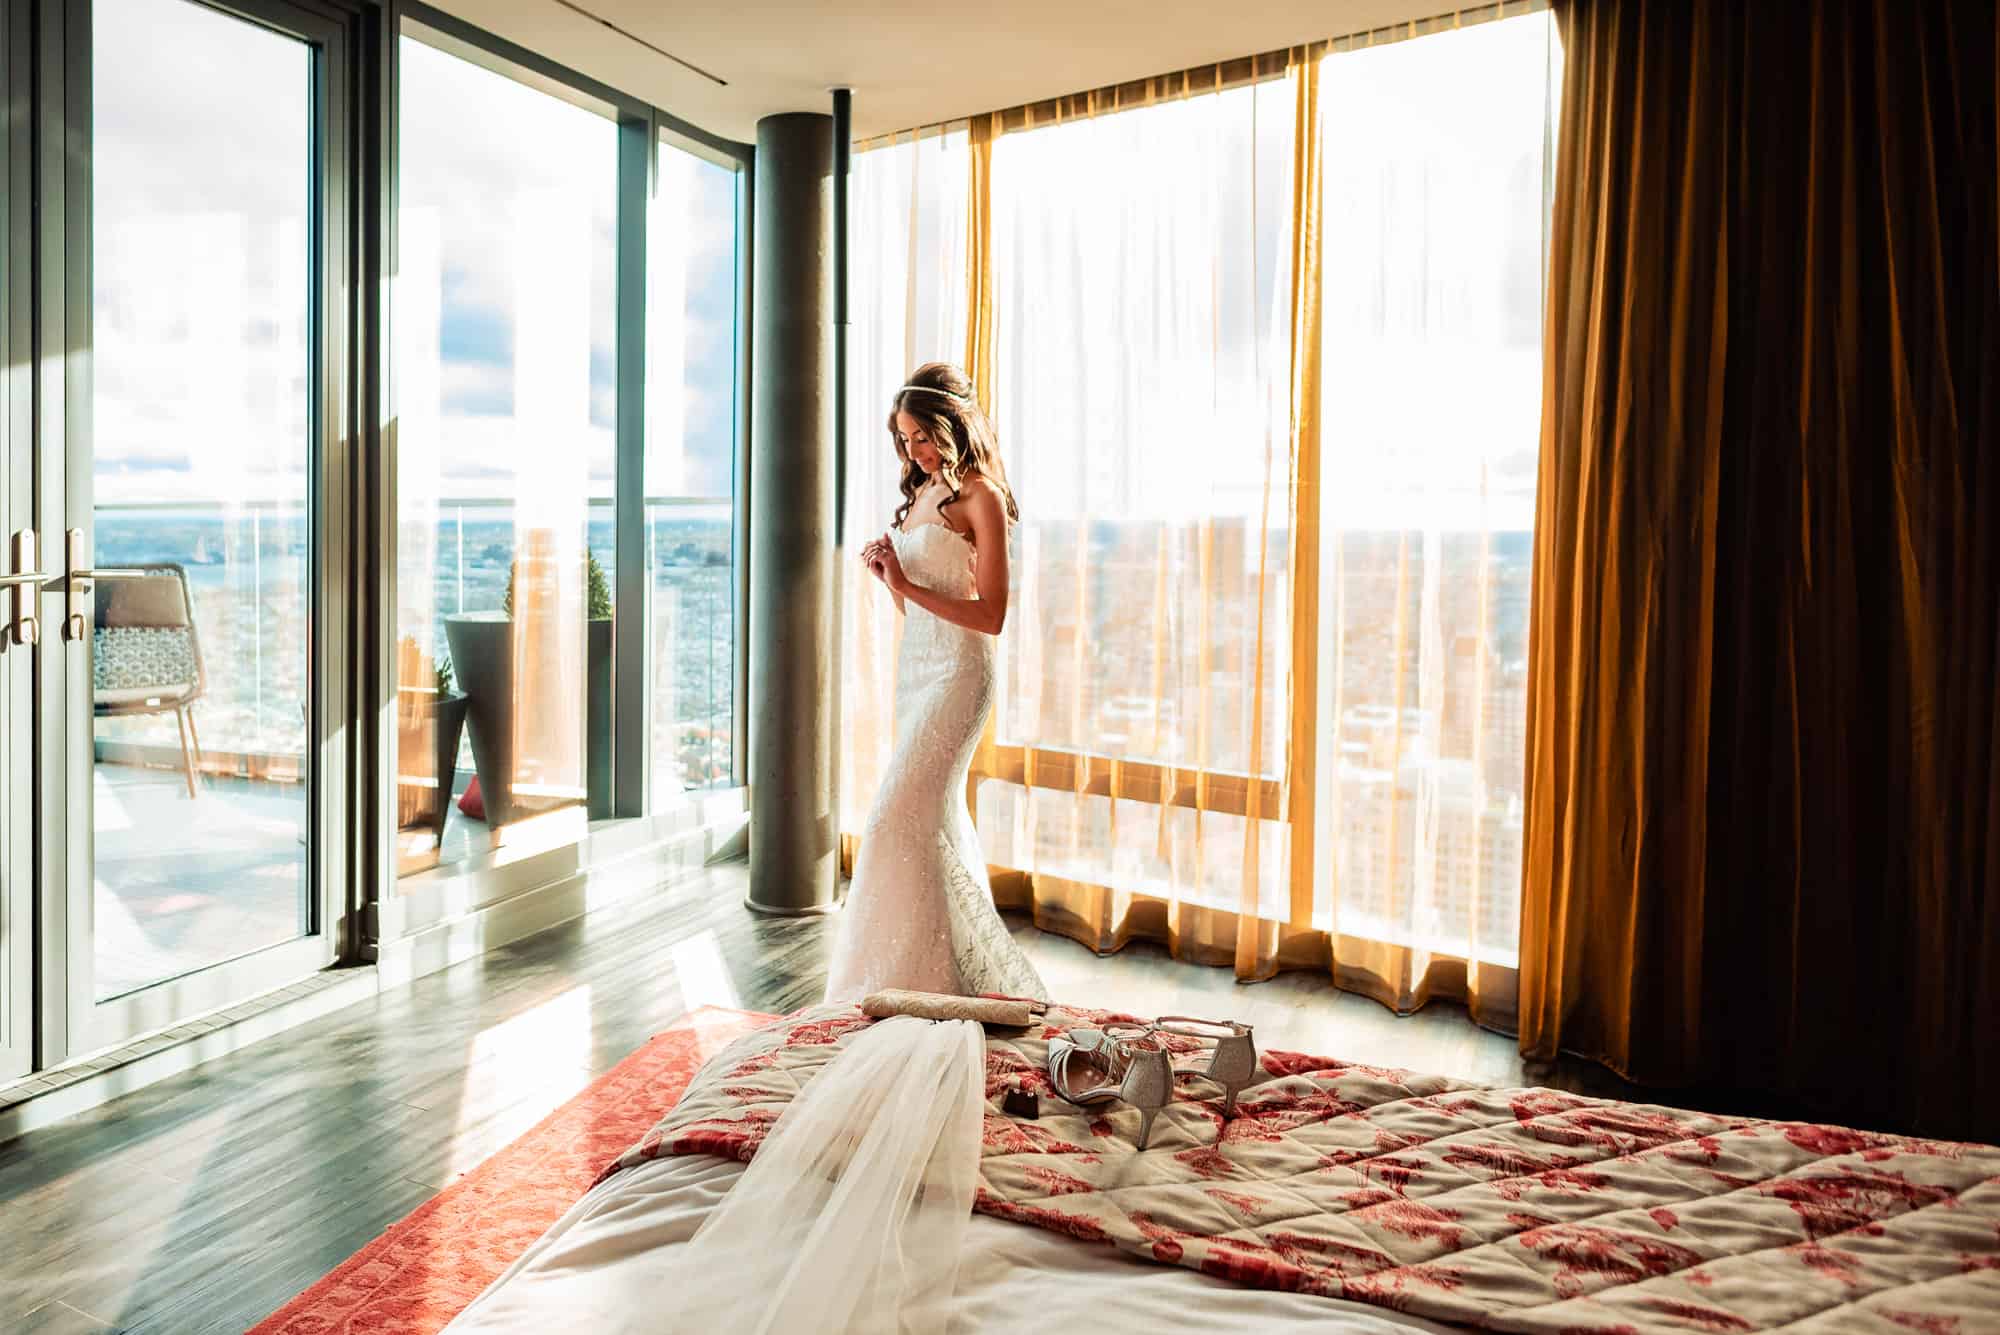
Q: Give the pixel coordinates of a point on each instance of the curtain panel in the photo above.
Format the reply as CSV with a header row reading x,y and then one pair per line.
x,y
909,202
1763,799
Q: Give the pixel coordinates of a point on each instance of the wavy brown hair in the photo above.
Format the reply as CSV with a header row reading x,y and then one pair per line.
x,y
939,395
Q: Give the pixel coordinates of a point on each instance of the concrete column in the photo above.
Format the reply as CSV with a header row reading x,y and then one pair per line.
x,y
794,832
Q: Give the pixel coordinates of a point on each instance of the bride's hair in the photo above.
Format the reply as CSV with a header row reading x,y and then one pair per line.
x,y
939,395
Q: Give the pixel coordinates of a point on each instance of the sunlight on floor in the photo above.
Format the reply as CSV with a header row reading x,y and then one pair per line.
x,y
704,976
555,1033
185,882
109,809
516,1072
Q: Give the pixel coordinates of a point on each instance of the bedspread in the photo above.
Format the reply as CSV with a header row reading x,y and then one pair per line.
x,y
1508,1209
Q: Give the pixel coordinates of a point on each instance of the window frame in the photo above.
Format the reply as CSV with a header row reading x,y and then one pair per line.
x,y
406,904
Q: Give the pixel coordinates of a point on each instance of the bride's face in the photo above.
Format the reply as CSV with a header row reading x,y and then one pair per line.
x,y
917,443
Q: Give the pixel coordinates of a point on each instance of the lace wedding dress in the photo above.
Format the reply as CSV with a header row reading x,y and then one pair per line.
x,y
920,911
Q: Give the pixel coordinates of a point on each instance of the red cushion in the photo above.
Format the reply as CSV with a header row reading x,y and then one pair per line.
x,y
472,804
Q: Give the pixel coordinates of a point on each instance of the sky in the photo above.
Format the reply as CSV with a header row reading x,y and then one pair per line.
x,y
519,220
502,312
202,269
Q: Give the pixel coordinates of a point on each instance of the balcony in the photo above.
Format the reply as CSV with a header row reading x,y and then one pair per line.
x,y
184,881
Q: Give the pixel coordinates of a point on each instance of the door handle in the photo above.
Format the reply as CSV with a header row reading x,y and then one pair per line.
x,y
25,584
76,584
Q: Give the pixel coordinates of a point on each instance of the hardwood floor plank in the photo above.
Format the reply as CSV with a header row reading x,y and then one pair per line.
x,y
58,1319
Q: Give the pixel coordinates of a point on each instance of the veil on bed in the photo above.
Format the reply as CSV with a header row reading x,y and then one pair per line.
x,y
853,1215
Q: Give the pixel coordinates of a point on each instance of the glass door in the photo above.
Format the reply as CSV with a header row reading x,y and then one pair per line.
x,y
188,594
17,587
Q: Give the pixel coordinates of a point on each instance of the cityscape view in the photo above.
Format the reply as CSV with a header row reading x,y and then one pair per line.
x,y
1421,764
247,575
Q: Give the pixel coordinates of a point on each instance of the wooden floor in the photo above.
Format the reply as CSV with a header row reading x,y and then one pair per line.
x,y
204,1203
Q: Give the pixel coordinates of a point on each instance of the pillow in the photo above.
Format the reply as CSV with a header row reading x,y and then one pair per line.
x,y
155,602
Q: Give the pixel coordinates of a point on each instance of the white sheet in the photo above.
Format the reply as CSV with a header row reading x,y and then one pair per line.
x,y
1013,1277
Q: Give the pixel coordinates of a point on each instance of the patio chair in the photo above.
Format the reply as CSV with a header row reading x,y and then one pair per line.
x,y
146,657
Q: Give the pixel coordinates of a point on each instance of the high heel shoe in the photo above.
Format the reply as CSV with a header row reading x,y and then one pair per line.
x,y
1089,1067
1234,1061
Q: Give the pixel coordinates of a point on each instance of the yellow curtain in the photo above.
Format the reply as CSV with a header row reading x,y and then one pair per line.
x,y
979,261
1303,404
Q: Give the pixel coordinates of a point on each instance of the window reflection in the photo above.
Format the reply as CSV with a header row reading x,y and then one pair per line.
x,y
202,369
690,473
506,411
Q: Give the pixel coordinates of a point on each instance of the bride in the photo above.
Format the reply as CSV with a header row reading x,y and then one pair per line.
x,y
920,912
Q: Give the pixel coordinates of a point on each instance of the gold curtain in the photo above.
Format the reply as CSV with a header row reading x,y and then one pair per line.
x,y
979,261
1303,413
1764,802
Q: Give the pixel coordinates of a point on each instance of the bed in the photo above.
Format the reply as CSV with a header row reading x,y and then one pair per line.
x,y
1340,1197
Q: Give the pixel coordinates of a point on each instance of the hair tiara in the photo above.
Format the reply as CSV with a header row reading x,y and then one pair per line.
x,y
934,389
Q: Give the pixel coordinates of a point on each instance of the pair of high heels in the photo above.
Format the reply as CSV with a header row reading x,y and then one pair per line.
x,y
1131,1062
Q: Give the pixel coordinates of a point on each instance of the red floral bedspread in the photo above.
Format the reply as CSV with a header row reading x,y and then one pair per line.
x,y
1509,1209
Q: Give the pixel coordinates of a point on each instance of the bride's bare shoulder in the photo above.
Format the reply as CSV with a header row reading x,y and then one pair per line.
x,y
979,489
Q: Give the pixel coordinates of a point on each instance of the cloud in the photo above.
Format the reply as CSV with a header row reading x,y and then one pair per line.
x,y
203,262
477,389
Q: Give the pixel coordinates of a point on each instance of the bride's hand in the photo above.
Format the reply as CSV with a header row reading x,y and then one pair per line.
x,y
888,568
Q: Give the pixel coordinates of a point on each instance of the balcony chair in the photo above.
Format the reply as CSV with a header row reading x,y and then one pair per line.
x,y
146,657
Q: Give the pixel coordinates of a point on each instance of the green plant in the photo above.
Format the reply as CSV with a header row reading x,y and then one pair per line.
x,y
597,589
444,677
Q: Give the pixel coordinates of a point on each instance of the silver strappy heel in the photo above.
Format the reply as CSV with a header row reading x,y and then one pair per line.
x,y
1089,1067
1234,1061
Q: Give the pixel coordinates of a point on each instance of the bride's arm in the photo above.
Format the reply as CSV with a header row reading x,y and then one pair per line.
x,y
872,558
987,613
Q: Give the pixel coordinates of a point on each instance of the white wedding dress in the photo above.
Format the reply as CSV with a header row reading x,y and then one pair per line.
x,y
920,913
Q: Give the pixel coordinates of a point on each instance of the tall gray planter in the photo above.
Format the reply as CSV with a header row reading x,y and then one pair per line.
x,y
597,721
447,713
482,655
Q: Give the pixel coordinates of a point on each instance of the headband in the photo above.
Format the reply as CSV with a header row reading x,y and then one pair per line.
x,y
933,389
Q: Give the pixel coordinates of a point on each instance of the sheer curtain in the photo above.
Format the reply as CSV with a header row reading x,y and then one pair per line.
x,y
1140,313
907,281
1262,344
1436,158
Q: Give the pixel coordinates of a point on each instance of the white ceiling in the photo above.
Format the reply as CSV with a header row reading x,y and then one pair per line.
x,y
909,62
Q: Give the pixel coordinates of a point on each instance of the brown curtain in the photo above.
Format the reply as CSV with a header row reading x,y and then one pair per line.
x,y
1763,826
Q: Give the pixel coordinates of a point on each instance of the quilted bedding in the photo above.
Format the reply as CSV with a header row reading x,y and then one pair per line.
x,y
1507,1209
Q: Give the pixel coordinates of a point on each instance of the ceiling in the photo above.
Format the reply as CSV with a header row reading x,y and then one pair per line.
x,y
909,62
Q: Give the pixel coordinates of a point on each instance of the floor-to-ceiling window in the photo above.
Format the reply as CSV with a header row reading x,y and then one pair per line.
x,y
173,468
1436,158
1273,432
1141,274
691,471
506,416
190,303
539,687
200,474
